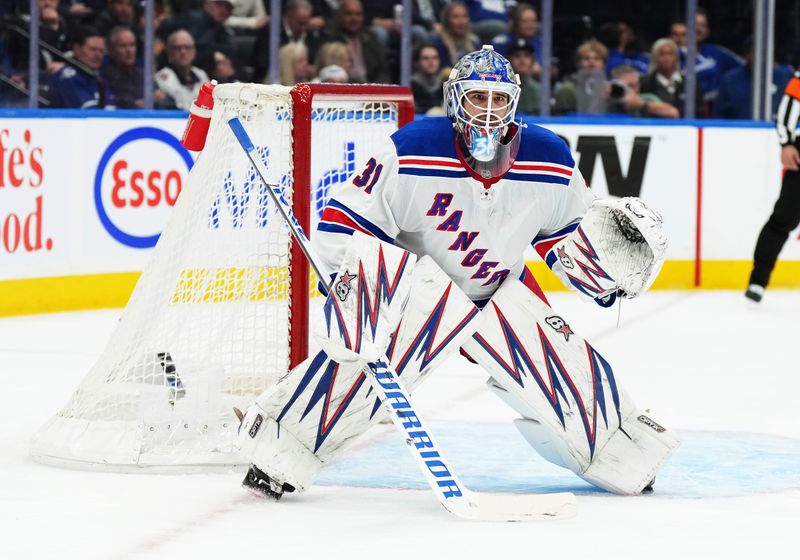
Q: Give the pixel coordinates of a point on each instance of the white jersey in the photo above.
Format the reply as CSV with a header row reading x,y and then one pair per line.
x,y
168,82
415,191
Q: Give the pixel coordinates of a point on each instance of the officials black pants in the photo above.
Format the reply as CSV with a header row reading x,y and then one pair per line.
x,y
785,217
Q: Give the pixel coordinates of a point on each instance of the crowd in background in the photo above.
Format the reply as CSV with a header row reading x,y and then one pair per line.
x,y
91,54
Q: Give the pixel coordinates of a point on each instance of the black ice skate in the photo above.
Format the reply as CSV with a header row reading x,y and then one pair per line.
x,y
754,292
260,484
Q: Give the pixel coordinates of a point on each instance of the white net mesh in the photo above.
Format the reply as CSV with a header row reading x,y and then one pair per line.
x,y
207,327
335,155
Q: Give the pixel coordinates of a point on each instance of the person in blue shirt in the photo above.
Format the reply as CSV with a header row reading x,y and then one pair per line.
x,y
735,97
524,25
71,87
712,62
620,40
489,17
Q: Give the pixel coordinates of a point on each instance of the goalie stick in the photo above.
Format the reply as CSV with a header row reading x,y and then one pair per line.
x,y
451,493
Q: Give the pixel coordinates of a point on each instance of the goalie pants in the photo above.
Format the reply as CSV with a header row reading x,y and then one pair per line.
x,y
785,218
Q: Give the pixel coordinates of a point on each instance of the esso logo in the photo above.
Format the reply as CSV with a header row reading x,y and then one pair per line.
x,y
138,181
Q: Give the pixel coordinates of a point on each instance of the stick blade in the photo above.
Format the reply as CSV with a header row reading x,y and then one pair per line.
x,y
518,507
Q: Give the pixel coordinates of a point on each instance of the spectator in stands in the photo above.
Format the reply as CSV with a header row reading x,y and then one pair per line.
x,y
523,60
524,23
118,13
119,71
219,67
296,28
247,16
11,94
665,80
425,15
380,15
426,82
620,40
78,12
489,17
53,31
369,59
679,34
335,53
323,11
160,14
712,61
735,98
206,26
332,74
456,38
588,83
180,80
80,86
625,97
385,18
294,67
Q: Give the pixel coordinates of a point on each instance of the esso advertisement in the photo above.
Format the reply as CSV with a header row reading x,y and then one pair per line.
x,y
138,181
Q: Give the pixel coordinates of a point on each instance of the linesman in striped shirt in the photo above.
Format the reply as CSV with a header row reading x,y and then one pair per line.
x,y
786,214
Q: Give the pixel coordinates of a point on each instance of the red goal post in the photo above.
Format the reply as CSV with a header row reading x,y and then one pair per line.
x,y
303,98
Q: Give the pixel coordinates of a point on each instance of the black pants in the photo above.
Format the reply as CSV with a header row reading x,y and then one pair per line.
x,y
785,217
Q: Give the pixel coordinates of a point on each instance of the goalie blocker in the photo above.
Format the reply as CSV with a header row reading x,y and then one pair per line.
x,y
574,413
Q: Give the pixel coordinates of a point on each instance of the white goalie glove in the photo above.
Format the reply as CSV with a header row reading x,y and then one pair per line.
x,y
618,247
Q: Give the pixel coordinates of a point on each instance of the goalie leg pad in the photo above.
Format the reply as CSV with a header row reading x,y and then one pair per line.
x,y
574,411
626,464
276,451
323,405
366,300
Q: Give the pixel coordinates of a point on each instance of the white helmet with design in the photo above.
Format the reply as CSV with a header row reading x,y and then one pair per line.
x,y
482,127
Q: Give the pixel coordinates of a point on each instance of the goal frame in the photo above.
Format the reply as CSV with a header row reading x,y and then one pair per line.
x,y
303,96
134,414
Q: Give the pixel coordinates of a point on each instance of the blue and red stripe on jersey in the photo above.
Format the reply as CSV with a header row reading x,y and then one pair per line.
x,y
528,171
431,166
539,171
338,218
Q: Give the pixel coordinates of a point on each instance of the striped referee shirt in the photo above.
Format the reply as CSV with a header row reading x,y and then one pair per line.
x,y
789,111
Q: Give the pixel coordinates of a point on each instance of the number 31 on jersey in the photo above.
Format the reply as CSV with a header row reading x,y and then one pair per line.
x,y
369,176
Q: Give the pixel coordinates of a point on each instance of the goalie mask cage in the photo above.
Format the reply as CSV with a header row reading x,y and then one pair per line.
x,y
221,309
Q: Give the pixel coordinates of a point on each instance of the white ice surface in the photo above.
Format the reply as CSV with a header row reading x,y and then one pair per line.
x,y
724,374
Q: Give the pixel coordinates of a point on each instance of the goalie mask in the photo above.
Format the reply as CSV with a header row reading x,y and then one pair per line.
x,y
481,97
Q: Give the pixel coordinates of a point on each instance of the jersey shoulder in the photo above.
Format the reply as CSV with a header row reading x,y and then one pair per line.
x,y
541,145
431,136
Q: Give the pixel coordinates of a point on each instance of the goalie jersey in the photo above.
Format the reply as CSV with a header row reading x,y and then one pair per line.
x,y
415,191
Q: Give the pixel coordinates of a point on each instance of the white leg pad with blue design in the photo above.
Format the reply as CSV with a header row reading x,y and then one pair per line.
x,y
574,412
415,317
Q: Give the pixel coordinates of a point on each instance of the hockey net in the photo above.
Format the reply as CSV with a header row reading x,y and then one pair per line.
x,y
221,309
